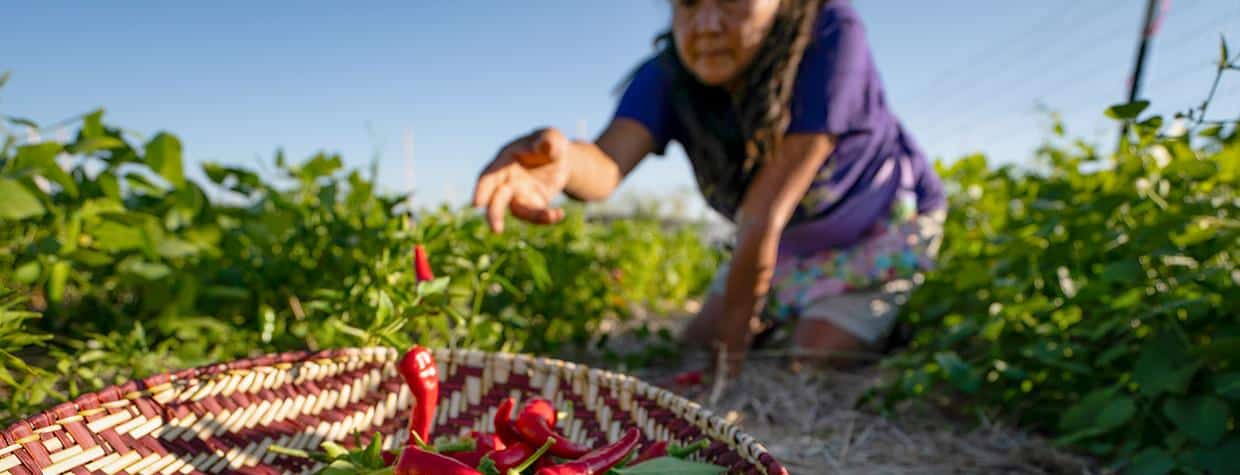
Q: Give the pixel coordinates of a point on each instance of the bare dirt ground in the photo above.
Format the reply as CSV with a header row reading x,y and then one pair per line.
x,y
810,422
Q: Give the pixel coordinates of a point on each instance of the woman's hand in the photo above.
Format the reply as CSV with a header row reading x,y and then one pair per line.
x,y
526,175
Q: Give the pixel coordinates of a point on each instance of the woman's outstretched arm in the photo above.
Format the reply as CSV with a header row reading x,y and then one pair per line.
x,y
768,205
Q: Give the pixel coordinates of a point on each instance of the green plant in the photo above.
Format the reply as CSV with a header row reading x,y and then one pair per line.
x,y
133,269
1095,300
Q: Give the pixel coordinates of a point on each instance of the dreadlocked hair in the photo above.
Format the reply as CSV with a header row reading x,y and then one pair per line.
x,y
762,101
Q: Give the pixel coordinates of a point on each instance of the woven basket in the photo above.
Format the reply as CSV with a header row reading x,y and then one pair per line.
x,y
222,418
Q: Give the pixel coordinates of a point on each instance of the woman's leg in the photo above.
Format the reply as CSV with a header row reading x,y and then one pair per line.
x,y
817,340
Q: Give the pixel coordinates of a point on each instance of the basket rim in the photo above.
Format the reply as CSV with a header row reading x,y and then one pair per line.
x,y
27,431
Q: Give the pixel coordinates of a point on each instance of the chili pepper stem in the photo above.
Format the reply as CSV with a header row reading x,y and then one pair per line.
x,y
532,458
291,452
417,440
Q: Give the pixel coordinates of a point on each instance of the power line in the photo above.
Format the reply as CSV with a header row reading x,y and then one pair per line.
x,y
976,79
1071,77
992,52
974,116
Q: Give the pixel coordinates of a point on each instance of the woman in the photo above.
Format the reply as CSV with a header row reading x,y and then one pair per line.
x,y
782,114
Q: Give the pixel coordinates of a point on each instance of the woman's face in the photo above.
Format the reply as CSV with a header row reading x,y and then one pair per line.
x,y
717,39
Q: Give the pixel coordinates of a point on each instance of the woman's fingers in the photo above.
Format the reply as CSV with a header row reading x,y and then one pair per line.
x,y
542,148
537,214
498,205
524,198
486,187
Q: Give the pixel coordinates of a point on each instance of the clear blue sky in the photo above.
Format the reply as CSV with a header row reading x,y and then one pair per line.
x,y
236,80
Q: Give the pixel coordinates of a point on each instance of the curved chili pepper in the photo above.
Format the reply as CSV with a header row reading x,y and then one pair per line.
x,y
535,422
598,461
503,422
511,456
418,369
514,459
415,461
484,443
652,451
421,265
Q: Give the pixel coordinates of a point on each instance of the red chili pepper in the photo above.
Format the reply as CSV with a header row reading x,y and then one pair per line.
x,y
689,378
598,461
652,451
503,422
484,443
415,461
421,266
420,374
390,457
536,421
515,459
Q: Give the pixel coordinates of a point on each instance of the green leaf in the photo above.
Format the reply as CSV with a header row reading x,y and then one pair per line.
x,y
320,165
173,248
1097,413
88,145
1211,131
140,184
1164,366
56,283
109,185
19,202
89,257
23,121
341,467
163,154
1224,56
1220,349
1228,386
112,236
144,269
1122,271
1204,418
433,287
92,124
1151,461
28,273
1220,459
959,373
1127,111
374,452
40,159
538,268
1192,168
671,466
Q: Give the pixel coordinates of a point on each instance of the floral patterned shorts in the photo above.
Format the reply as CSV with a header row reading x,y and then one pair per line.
x,y
861,287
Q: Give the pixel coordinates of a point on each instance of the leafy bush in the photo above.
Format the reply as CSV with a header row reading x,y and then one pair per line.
x,y
126,268
1095,299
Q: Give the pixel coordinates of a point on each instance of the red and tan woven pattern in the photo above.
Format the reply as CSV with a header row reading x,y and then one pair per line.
x,y
222,418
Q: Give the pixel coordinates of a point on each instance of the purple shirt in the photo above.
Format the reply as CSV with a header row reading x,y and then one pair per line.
x,y
837,92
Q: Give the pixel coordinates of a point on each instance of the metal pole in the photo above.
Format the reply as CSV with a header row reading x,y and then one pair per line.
x,y
1147,32
1138,70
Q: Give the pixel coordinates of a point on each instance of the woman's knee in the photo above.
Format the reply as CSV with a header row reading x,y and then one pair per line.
x,y
819,341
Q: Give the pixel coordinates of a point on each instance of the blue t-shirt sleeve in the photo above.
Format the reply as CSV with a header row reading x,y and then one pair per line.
x,y
645,100
832,93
